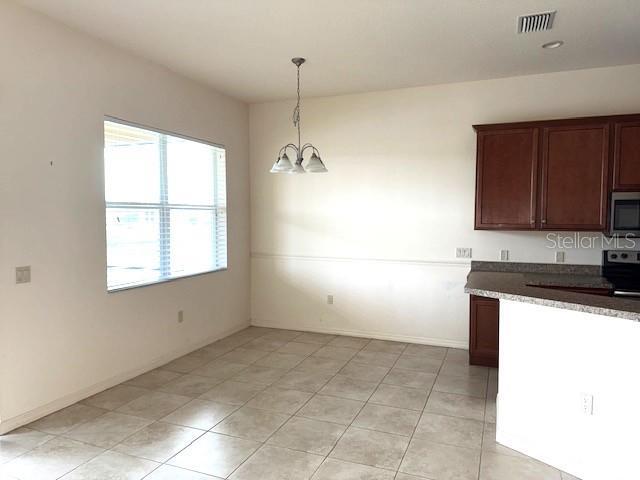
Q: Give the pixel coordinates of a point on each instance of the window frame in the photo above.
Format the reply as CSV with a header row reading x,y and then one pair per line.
x,y
163,206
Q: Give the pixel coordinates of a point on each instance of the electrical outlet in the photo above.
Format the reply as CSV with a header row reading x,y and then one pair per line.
x,y
23,274
329,299
587,404
180,316
463,252
559,257
504,255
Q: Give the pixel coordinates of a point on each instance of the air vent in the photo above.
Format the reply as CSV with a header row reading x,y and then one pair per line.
x,y
536,22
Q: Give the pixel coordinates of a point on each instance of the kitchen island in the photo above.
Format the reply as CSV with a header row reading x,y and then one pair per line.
x,y
569,365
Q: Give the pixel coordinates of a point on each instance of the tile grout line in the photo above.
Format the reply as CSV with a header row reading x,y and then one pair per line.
x,y
230,413
239,407
104,450
365,403
110,449
354,417
184,426
484,425
421,414
243,344
380,382
106,411
293,415
204,432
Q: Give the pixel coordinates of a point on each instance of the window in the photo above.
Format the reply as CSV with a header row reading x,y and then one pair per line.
x,y
166,209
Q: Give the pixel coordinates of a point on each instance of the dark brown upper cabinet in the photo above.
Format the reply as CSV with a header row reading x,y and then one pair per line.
x,y
626,156
555,174
573,187
507,179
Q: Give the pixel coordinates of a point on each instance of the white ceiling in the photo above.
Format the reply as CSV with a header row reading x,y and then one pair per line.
x,y
243,47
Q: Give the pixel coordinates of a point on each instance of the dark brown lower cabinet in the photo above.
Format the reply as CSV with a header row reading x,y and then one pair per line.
x,y
484,331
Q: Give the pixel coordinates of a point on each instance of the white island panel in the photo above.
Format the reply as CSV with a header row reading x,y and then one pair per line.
x,y
552,360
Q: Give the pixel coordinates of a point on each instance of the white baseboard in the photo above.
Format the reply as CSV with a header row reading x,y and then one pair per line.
x,y
9,424
437,342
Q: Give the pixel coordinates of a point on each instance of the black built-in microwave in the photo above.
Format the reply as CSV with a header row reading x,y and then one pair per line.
x,y
625,214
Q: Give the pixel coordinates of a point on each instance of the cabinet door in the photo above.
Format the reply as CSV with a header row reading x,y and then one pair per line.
x,y
484,331
626,157
575,166
506,179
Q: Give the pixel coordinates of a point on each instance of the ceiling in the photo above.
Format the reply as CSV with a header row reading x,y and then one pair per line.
x,y
243,47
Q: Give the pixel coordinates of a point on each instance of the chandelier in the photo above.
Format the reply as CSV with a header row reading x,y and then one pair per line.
x,y
283,164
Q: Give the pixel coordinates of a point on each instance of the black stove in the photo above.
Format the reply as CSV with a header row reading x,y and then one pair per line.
x,y
622,269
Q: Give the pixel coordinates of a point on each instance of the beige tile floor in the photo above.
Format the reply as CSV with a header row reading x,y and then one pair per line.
x,y
270,404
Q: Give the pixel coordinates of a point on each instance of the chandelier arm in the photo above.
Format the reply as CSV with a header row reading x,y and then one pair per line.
x,y
308,145
284,149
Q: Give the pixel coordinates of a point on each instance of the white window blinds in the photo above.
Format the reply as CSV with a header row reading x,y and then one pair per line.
x,y
166,210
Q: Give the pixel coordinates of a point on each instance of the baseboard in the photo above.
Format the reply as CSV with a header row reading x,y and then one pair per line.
x,y
12,423
437,342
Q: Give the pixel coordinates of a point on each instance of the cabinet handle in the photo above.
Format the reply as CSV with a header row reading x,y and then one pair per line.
x,y
544,220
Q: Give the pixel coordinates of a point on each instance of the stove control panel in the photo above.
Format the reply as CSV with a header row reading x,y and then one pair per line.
x,y
622,256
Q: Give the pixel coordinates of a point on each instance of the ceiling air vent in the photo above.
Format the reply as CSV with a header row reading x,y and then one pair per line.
x,y
536,22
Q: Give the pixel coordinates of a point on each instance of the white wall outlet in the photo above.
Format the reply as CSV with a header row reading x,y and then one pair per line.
x,y
587,403
504,255
23,274
329,299
463,252
180,316
559,257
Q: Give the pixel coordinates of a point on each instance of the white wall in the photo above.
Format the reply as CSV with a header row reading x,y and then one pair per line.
x,y
400,189
62,336
550,359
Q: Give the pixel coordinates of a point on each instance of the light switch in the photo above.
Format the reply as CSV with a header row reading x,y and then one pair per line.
x,y
504,255
23,274
559,257
463,252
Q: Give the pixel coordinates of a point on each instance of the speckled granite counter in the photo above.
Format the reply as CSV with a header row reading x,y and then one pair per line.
x,y
525,283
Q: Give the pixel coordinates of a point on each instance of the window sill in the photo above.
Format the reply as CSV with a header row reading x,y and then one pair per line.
x,y
165,280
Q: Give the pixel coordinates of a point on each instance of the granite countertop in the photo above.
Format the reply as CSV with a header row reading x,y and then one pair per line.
x,y
526,284
568,280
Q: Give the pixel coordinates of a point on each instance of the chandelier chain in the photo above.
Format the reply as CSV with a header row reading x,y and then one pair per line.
x,y
296,111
